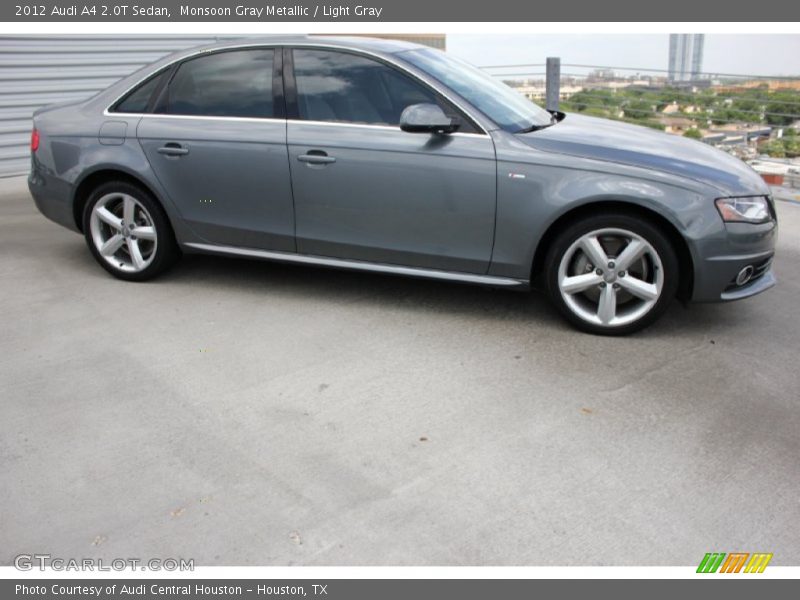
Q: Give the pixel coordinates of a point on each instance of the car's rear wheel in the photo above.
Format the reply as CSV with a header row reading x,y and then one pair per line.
x,y
128,233
612,274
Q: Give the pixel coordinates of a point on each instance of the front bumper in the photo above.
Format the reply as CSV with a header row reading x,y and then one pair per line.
x,y
723,256
753,287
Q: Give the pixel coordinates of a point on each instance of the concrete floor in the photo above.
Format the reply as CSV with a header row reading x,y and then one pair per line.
x,y
243,413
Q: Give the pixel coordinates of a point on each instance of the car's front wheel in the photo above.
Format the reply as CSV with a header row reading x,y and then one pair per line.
x,y
128,233
612,274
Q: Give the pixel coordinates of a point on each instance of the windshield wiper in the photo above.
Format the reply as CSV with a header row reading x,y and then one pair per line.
x,y
535,128
555,117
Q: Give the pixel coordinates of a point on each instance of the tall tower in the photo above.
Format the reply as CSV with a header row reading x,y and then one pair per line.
x,y
685,56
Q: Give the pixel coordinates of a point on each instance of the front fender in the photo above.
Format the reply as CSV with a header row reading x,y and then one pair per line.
x,y
535,190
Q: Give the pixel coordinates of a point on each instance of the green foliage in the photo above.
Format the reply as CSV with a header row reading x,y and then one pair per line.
x,y
642,104
597,112
785,106
638,109
586,99
693,133
648,123
703,99
792,147
782,148
773,148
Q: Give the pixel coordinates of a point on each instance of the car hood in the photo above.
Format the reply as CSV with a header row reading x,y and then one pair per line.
x,y
618,142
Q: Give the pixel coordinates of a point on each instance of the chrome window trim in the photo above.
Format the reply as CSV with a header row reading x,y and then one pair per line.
x,y
427,80
283,121
196,117
372,126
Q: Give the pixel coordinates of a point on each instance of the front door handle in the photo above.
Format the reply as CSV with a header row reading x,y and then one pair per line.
x,y
316,157
173,149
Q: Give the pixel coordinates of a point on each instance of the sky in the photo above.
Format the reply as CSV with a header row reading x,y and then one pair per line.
x,y
744,54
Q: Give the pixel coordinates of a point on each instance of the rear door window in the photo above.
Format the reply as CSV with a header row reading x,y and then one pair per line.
x,y
225,84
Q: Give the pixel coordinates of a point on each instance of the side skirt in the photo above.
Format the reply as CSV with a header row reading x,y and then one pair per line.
x,y
357,265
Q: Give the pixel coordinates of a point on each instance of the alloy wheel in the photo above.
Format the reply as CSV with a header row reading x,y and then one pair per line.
x,y
610,277
123,232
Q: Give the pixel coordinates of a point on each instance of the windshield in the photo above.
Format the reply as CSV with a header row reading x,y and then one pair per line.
x,y
509,109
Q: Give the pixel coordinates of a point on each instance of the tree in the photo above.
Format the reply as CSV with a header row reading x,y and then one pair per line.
x,y
783,108
593,99
791,146
773,148
597,112
647,123
638,109
693,133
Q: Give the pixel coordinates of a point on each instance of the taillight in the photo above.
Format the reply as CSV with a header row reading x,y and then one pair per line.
x,y
34,140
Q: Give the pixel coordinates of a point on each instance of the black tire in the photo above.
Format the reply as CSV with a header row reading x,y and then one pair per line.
x,y
164,249
639,226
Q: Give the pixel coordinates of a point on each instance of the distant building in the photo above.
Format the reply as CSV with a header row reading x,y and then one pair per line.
x,y
735,133
772,85
536,89
674,107
676,124
601,74
685,56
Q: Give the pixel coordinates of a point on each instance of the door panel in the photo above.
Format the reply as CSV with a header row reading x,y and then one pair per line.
x,y
232,185
395,197
218,150
364,189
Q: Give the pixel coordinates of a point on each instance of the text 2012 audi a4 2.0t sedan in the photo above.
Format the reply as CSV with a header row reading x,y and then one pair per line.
x,y
390,157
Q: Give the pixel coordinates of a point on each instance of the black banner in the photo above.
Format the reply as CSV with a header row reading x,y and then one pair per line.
x,y
254,11
395,589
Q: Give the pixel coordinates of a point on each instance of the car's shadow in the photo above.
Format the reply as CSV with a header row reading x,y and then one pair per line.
x,y
243,276
344,286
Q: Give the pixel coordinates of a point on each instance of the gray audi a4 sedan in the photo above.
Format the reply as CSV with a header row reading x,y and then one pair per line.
x,y
395,158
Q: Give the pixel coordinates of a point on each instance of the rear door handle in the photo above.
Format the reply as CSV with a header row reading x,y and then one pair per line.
x,y
173,149
316,157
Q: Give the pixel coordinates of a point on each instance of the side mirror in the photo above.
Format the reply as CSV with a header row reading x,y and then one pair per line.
x,y
426,118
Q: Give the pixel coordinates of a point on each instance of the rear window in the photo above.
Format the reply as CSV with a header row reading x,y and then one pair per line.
x,y
225,84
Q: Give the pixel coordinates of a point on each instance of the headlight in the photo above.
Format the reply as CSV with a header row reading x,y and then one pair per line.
x,y
744,210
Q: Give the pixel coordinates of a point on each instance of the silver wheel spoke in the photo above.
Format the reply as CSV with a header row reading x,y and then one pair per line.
x,y
579,283
637,287
592,248
111,233
136,254
144,233
128,210
107,217
608,295
632,252
607,307
112,244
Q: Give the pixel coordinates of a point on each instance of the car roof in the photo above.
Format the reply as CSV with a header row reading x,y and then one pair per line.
x,y
388,46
